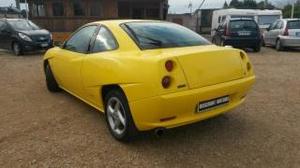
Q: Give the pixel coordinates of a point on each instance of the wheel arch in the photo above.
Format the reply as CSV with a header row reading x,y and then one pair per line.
x,y
109,87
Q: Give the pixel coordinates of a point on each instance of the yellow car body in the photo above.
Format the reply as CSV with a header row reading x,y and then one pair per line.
x,y
200,73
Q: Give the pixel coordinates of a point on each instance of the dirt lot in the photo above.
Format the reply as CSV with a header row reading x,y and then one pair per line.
x,y
41,129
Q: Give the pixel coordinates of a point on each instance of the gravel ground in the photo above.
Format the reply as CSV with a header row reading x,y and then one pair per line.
x,y
41,129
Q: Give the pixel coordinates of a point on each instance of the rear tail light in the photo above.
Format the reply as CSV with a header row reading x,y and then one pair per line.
x,y
286,32
166,82
169,65
242,55
249,66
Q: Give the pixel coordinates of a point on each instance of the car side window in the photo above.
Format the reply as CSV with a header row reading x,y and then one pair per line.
x,y
278,25
80,41
273,25
104,41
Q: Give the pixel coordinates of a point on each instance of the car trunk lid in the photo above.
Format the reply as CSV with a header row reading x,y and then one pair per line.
x,y
210,66
294,28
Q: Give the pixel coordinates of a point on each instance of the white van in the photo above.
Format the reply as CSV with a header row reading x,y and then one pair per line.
x,y
263,17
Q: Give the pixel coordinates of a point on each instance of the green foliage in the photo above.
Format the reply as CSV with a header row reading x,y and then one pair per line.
x,y
288,8
251,4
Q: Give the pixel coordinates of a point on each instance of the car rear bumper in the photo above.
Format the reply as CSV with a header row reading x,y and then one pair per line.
x,y
288,41
177,109
242,42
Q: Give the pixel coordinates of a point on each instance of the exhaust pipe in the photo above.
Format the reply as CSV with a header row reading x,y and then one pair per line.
x,y
159,131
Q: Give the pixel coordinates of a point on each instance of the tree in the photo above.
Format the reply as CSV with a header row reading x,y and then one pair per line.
x,y
225,6
265,5
236,4
250,4
288,8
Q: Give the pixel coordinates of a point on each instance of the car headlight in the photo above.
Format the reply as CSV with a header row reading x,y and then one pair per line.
x,y
24,37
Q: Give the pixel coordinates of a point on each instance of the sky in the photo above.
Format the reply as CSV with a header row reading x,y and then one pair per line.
x,y
181,6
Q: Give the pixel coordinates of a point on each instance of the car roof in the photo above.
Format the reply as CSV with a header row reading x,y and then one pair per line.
x,y
291,19
241,18
12,19
122,21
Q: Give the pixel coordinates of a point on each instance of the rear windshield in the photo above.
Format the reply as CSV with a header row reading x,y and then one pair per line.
x,y
293,24
153,35
22,25
243,25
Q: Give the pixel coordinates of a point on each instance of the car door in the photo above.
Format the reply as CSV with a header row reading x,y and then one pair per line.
x,y
5,36
68,62
99,65
276,32
268,34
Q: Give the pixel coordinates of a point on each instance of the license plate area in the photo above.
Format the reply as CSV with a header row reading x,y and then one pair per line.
x,y
210,104
44,45
244,33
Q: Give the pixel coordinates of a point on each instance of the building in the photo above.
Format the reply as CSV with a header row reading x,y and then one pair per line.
x,y
187,19
64,16
68,15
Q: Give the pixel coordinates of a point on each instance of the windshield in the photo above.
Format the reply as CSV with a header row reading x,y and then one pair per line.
x,y
21,25
243,25
151,35
267,19
293,24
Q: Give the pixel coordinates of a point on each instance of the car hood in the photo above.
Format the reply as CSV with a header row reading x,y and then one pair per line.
x,y
36,32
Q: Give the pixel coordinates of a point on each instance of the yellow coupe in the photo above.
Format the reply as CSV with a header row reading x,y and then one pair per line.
x,y
148,75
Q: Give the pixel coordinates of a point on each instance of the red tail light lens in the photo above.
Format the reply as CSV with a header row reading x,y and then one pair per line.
x,y
166,82
286,32
169,65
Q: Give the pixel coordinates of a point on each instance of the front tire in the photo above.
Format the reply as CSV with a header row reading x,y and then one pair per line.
x,y
118,116
17,49
52,85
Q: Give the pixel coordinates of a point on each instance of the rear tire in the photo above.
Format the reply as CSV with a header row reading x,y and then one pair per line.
x,y
278,45
52,85
118,116
17,49
257,48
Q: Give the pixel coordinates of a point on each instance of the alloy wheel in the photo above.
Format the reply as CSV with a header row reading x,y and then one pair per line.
x,y
116,115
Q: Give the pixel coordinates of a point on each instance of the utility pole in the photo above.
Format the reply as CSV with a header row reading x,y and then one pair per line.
x,y
293,9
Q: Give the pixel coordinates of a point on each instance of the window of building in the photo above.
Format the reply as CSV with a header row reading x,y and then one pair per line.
x,y
104,41
38,9
96,8
78,8
58,8
152,13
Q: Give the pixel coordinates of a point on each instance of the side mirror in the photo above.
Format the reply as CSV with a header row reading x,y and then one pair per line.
x,y
268,28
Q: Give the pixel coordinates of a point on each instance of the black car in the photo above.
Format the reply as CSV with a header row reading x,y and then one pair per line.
x,y
239,33
22,35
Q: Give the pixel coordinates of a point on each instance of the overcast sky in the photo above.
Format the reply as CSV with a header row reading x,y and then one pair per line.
x,y
181,6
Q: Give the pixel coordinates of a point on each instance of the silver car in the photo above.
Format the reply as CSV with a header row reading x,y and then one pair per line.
x,y
283,33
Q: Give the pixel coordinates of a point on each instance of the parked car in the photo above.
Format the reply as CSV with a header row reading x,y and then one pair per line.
x,y
238,32
148,75
22,35
283,33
